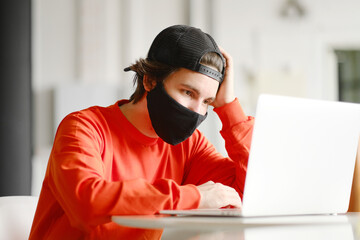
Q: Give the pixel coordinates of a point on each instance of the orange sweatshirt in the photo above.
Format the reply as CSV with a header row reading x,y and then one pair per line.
x,y
101,165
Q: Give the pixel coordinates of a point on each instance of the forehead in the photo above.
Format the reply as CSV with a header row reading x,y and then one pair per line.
x,y
202,83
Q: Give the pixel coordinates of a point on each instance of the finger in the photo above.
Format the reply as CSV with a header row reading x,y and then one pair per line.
x,y
232,197
227,57
236,205
235,201
229,195
222,50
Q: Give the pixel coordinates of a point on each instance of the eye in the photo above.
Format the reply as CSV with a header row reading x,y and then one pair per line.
x,y
208,101
189,93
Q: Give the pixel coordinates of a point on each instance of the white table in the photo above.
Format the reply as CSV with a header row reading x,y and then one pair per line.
x,y
344,227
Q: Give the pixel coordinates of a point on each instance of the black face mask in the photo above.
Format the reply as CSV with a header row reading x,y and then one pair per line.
x,y
171,121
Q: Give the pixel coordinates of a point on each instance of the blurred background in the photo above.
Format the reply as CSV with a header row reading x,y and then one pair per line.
x,y
58,56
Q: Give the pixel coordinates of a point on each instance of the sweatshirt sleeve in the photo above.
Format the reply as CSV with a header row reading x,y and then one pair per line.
x,y
77,178
237,132
207,164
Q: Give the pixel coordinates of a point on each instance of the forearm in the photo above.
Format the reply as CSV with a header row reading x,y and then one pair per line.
x,y
236,130
237,133
89,200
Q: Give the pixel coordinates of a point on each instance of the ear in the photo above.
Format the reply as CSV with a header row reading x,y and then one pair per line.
x,y
148,83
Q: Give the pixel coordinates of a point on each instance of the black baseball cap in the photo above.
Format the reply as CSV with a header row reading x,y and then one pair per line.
x,y
184,46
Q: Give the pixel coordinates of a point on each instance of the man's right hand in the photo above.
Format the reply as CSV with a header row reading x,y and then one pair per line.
x,y
217,195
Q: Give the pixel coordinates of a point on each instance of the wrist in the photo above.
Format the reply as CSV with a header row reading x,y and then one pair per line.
x,y
223,102
231,113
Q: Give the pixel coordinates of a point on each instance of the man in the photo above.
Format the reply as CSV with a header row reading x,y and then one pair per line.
x,y
142,155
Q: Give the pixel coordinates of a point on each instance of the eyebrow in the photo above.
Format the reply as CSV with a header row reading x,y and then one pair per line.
x,y
195,90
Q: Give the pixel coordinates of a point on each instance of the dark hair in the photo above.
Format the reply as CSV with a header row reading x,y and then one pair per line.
x,y
157,71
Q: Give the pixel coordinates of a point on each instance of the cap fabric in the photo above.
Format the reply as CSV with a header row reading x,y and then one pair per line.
x,y
184,46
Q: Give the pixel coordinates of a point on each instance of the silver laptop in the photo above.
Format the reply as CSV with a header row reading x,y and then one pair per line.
x,y
301,160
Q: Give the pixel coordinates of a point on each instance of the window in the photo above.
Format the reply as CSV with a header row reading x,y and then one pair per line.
x,y
348,62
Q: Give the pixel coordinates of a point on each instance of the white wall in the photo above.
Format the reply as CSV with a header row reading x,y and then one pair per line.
x,y
85,44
